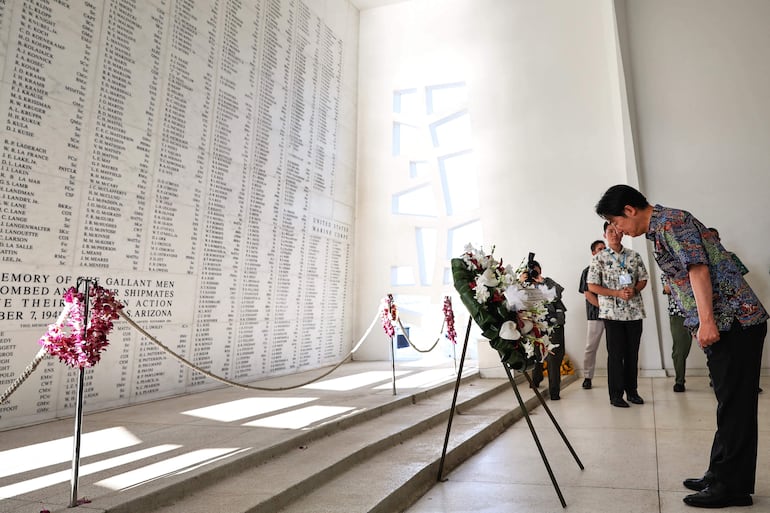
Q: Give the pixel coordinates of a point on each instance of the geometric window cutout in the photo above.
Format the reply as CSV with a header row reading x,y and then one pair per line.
x,y
426,254
415,305
419,169
461,235
452,132
448,278
460,183
446,97
406,101
419,201
408,139
401,275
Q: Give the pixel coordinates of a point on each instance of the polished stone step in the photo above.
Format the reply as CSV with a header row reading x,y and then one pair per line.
x,y
382,461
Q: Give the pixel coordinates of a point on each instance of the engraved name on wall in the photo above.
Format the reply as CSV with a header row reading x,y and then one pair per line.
x,y
183,153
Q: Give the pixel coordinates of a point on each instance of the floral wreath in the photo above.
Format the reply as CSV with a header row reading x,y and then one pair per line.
x,y
82,346
511,314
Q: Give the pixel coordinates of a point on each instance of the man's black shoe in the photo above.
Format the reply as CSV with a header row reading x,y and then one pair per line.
x,y
717,496
699,484
534,385
634,398
587,383
678,387
619,402
555,397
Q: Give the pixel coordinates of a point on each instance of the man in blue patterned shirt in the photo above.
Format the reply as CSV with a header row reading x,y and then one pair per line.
x,y
729,323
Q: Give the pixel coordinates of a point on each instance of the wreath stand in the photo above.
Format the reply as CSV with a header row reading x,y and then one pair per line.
x,y
524,411
76,439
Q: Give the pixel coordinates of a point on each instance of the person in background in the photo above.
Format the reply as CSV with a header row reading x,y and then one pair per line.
x,y
617,275
730,324
595,325
682,338
556,311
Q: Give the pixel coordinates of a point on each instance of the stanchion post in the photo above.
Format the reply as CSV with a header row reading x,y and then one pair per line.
x,y
393,362
76,441
79,405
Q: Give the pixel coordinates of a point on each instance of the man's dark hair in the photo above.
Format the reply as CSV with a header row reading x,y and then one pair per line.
x,y
616,198
595,243
604,226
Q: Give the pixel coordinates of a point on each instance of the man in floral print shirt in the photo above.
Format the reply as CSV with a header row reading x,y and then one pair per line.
x,y
617,276
729,323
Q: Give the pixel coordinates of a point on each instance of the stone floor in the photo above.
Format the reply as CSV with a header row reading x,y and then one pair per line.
x,y
635,459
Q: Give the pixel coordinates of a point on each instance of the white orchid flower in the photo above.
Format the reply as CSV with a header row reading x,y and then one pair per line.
x,y
529,348
487,279
508,331
482,294
549,294
515,297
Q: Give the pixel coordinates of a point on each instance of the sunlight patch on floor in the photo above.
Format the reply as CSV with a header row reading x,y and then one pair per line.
x,y
300,418
354,381
30,457
63,476
244,408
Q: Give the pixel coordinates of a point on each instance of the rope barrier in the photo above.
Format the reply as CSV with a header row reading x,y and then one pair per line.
x,y
241,385
39,357
43,353
406,336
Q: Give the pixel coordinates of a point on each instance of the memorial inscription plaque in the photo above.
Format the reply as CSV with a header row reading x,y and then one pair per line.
x,y
182,153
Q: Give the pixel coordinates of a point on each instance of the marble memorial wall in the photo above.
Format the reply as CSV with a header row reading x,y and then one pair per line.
x,y
185,154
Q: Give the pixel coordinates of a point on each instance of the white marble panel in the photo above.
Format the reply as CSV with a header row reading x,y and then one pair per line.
x,y
180,153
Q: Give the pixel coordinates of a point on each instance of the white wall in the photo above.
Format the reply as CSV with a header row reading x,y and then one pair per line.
x,y
565,99
198,158
546,119
700,75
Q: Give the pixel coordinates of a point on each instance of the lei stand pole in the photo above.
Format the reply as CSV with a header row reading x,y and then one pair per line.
x,y
454,400
534,435
454,355
553,419
79,407
393,362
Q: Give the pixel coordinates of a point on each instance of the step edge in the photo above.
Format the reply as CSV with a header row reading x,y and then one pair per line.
x,y
174,490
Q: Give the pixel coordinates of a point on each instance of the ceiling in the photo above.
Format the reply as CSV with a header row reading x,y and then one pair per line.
x,y
371,4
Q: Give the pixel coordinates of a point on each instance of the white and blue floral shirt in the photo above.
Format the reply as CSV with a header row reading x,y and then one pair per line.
x,y
606,268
